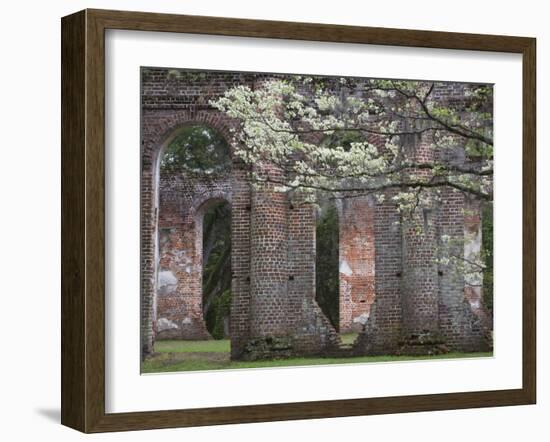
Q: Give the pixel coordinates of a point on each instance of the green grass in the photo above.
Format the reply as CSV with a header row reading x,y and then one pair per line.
x,y
348,338
173,356
210,346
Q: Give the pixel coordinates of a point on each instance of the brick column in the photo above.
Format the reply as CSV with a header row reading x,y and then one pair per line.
x,y
148,222
419,287
384,326
464,322
269,273
269,266
240,262
301,259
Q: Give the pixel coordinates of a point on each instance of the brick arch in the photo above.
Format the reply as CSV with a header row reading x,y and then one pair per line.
x,y
317,213
160,127
171,123
199,209
203,202
356,261
356,252
163,113
198,212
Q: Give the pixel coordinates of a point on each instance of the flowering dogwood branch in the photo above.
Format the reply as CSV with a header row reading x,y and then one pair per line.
x,y
351,136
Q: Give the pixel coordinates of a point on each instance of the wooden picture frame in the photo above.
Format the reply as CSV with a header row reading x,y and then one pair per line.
x,y
83,220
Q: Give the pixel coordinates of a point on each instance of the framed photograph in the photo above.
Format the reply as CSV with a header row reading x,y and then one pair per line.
x,y
267,221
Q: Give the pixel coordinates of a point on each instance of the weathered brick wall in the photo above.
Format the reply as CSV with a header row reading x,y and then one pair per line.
x,y
312,331
284,317
463,320
357,266
384,327
391,275
183,201
419,284
464,323
473,286
172,237
423,304
170,101
269,270
240,262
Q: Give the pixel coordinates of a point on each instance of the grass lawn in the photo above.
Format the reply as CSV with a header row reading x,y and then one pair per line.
x,y
210,346
348,338
214,355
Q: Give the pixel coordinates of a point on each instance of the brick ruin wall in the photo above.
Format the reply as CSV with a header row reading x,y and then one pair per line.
x,y
357,262
273,310
183,201
390,287
423,305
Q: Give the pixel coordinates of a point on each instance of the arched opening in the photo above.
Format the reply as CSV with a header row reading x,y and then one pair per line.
x,y
216,268
193,190
345,250
198,151
327,275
